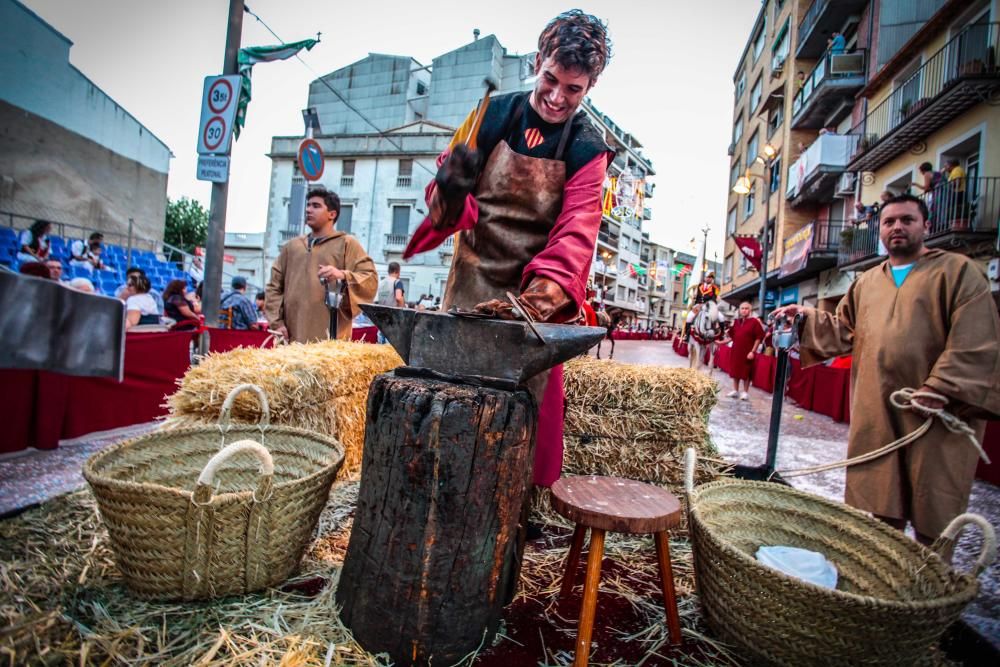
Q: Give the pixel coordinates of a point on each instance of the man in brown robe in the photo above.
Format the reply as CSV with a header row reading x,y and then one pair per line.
x,y
923,319
309,266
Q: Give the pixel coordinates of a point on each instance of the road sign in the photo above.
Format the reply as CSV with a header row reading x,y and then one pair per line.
x,y
218,111
213,168
311,162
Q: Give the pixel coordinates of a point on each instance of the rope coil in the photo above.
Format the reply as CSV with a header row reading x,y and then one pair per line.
x,y
903,399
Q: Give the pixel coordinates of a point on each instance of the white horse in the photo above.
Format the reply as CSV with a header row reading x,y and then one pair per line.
x,y
704,335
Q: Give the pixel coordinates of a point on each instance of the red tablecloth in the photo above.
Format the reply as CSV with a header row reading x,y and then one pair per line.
x,y
991,444
830,392
365,334
50,406
722,355
223,340
800,384
763,372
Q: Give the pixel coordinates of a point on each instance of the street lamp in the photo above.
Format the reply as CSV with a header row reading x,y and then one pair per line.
x,y
743,186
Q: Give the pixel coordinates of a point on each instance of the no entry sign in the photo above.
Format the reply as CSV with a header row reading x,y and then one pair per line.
x,y
218,111
311,162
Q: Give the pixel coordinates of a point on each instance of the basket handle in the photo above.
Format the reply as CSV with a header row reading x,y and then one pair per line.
x,y
987,555
203,492
227,407
690,461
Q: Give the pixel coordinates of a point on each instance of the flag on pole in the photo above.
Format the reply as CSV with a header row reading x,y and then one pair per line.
x,y
750,247
252,55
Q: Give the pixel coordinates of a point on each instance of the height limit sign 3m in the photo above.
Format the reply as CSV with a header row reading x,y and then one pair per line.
x,y
218,111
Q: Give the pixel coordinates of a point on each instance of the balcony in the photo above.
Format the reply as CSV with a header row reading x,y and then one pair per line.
x,y
814,176
819,22
447,247
347,181
404,181
963,73
395,243
956,221
827,95
608,240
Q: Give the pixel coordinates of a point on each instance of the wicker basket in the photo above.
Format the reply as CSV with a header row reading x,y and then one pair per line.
x,y
191,518
894,597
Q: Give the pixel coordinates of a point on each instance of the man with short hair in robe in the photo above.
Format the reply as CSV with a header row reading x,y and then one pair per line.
x,y
924,319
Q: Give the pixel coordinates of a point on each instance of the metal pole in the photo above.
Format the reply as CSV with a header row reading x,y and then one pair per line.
x,y
763,242
216,241
128,253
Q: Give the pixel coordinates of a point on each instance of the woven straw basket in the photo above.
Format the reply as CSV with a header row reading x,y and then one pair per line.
x,y
191,517
894,597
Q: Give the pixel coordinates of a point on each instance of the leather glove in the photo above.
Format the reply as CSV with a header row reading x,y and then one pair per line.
x,y
455,178
546,301
498,308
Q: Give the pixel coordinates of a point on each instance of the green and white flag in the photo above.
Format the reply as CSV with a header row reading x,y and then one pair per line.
x,y
252,55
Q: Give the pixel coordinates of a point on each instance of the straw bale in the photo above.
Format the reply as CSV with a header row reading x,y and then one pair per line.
x,y
635,421
322,387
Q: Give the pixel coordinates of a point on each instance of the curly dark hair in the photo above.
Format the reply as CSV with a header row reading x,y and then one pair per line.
x,y
577,41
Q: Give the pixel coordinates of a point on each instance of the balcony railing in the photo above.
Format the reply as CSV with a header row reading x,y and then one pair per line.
x,y
404,181
818,168
448,246
826,236
974,211
836,78
822,17
609,239
347,181
395,242
959,75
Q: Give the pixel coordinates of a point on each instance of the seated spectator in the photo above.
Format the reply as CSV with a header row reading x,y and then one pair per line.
x,y
55,268
37,269
197,270
244,311
136,271
139,305
261,317
178,307
82,285
427,302
34,242
87,255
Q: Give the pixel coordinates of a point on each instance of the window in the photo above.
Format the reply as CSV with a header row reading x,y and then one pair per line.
x,y
755,93
631,294
677,296
401,220
421,88
727,269
622,266
779,50
738,128
345,218
734,174
774,120
770,234
621,293
744,266
405,176
347,175
758,41
748,202
776,175
741,84
731,221
753,147
635,246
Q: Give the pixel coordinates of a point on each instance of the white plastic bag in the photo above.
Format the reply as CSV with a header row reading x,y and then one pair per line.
x,y
802,564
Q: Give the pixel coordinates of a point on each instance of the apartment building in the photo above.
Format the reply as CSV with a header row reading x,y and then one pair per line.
x,y
381,176
907,82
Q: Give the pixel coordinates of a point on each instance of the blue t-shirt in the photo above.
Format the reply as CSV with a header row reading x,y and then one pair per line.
x,y
899,273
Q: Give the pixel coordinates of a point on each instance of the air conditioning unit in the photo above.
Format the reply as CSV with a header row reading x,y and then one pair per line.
x,y
845,185
845,64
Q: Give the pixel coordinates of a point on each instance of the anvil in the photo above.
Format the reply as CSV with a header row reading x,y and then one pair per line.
x,y
505,350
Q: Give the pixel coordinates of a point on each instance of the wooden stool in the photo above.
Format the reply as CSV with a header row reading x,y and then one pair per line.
x,y
619,505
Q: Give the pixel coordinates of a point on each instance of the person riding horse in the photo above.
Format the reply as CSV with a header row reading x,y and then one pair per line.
x,y
706,294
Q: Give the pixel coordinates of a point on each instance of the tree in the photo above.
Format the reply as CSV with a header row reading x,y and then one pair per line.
x,y
187,224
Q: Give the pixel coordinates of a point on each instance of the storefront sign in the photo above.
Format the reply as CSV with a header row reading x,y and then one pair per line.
x,y
789,295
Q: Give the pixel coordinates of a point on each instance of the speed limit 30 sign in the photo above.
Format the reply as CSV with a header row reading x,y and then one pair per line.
x,y
218,111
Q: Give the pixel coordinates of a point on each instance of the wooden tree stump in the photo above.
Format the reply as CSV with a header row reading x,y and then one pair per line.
x,y
444,475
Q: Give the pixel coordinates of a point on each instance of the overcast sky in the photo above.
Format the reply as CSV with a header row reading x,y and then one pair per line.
x,y
669,82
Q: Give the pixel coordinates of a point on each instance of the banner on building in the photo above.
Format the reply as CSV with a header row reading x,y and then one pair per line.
x,y
250,56
797,249
750,247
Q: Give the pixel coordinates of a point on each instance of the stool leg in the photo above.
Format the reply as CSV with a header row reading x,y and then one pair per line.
x,y
572,560
590,586
667,583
